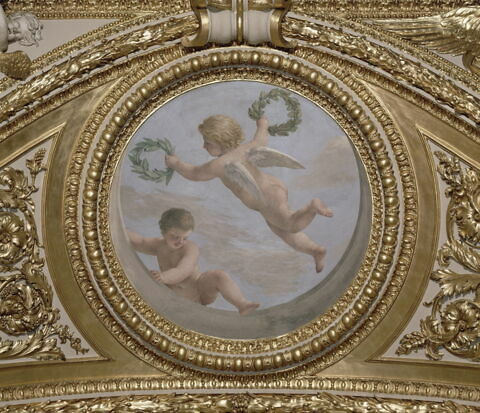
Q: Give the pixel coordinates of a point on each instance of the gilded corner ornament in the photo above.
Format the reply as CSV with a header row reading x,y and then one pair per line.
x,y
26,309
456,32
454,324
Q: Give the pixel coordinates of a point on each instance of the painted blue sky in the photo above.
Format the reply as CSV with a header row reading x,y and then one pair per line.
x,y
232,237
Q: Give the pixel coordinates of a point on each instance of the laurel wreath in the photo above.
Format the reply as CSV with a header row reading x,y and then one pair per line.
x,y
141,166
257,110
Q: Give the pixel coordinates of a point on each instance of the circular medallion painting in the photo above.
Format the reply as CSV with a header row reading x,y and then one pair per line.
x,y
243,210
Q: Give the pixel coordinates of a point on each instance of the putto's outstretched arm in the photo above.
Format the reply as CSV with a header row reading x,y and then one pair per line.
x,y
185,267
143,244
237,165
261,134
191,172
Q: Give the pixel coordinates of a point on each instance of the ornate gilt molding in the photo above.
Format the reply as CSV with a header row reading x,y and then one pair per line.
x,y
378,8
120,8
130,316
444,90
73,9
327,383
403,69
454,324
456,32
363,27
231,23
83,63
25,295
243,402
294,361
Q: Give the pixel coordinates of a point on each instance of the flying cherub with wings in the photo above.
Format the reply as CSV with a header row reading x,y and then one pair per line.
x,y
237,165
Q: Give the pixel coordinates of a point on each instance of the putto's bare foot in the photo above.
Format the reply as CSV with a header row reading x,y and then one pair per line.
x,y
248,307
319,257
321,208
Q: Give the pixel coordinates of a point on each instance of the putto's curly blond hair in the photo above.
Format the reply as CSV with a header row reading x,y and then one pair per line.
x,y
176,218
222,130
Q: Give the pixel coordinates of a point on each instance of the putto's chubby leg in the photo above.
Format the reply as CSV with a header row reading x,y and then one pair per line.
x,y
321,208
300,219
302,243
210,283
279,214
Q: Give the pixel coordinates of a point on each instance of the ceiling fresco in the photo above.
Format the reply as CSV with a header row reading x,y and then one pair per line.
x,y
240,205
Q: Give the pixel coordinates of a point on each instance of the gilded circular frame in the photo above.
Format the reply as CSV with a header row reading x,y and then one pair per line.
x,y
335,323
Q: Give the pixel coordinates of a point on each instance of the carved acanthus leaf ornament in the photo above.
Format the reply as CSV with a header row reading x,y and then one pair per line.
x,y
454,325
26,309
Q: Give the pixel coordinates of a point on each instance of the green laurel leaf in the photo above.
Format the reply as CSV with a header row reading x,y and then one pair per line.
x,y
257,110
141,167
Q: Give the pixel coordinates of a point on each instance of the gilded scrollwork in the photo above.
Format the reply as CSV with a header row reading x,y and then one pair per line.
x,y
25,294
454,325
243,402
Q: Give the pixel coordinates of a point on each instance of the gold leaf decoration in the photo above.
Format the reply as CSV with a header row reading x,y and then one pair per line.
x,y
403,69
238,403
452,283
25,294
456,32
16,65
454,325
103,55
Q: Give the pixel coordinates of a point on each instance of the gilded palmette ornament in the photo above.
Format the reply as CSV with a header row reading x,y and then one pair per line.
x,y
456,32
455,325
25,295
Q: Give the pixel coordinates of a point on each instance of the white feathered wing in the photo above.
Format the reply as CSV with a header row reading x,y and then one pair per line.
x,y
261,157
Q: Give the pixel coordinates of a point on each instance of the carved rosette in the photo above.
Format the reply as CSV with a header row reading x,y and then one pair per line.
x,y
13,238
25,295
454,325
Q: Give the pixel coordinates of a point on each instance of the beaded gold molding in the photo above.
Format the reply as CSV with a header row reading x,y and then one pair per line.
x,y
322,339
327,383
243,402
119,8
349,73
